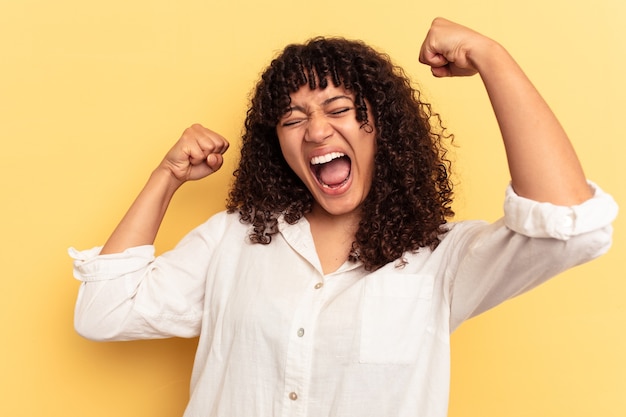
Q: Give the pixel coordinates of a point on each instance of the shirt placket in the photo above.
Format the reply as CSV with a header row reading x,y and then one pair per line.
x,y
300,349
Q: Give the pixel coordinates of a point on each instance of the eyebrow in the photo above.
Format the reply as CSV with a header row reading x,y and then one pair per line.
x,y
324,103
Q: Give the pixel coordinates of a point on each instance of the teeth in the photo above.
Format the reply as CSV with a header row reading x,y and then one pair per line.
x,y
318,160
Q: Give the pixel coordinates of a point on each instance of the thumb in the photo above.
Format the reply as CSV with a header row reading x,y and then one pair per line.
x,y
438,63
433,59
215,161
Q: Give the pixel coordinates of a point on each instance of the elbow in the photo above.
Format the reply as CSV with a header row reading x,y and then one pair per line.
x,y
601,242
95,328
88,332
100,317
96,320
590,245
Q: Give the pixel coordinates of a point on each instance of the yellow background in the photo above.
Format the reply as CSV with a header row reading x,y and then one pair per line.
x,y
92,94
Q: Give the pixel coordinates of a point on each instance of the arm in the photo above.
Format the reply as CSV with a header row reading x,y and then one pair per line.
x,y
197,154
106,308
542,162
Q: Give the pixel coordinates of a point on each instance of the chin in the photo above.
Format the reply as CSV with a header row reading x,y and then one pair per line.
x,y
340,208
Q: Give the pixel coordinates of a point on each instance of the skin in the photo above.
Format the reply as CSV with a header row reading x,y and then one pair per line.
x,y
319,123
197,154
542,161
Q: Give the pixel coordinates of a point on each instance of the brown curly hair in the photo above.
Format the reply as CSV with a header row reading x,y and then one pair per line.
x,y
411,193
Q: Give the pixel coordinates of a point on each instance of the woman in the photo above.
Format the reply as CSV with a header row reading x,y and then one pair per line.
x,y
331,284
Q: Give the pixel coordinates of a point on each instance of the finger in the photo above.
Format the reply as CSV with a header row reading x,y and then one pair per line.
x,y
438,63
201,142
211,164
430,56
212,142
215,161
219,146
196,155
441,72
192,149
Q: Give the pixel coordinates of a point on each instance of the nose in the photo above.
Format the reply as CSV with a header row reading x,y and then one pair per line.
x,y
318,128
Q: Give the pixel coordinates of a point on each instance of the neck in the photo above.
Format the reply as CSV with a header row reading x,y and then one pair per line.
x,y
333,236
346,224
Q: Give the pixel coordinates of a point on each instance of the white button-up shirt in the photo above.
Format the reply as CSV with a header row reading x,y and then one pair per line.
x,y
280,338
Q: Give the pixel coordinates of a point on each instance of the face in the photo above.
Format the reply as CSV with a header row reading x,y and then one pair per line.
x,y
327,148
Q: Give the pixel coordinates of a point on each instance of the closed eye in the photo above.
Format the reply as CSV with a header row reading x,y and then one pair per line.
x,y
340,111
291,122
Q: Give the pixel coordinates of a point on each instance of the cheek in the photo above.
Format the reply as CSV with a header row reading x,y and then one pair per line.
x,y
291,156
369,152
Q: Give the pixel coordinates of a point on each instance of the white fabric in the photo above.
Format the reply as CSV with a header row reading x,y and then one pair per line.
x,y
279,338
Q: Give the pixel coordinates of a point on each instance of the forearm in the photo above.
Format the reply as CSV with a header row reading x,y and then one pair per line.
x,y
542,162
197,154
142,221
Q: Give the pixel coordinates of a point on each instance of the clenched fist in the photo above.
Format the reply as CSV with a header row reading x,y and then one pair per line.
x,y
197,154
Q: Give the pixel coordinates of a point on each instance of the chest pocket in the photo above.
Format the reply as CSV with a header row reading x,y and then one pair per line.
x,y
395,315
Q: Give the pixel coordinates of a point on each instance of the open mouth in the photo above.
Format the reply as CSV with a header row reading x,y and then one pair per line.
x,y
331,170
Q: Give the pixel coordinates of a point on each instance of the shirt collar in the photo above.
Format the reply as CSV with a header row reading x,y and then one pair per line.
x,y
298,236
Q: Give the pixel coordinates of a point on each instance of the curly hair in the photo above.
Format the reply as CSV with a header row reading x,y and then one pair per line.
x,y
411,192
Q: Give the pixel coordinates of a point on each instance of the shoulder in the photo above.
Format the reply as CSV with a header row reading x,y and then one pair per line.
x,y
222,225
223,218
457,230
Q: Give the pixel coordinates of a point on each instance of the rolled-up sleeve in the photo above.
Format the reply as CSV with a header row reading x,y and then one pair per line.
x,y
545,220
109,283
490,263
90,266
135,295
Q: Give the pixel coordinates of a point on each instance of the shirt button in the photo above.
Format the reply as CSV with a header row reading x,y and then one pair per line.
x,y
293,396
319,285
300,332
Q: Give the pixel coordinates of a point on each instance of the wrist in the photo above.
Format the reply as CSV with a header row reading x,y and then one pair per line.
x,y
488,55
163,178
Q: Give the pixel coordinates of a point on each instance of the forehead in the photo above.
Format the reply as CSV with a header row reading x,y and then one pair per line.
x,y
317,96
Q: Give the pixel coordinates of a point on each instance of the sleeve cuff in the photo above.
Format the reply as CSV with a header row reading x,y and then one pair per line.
x,y
89,265
546,220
